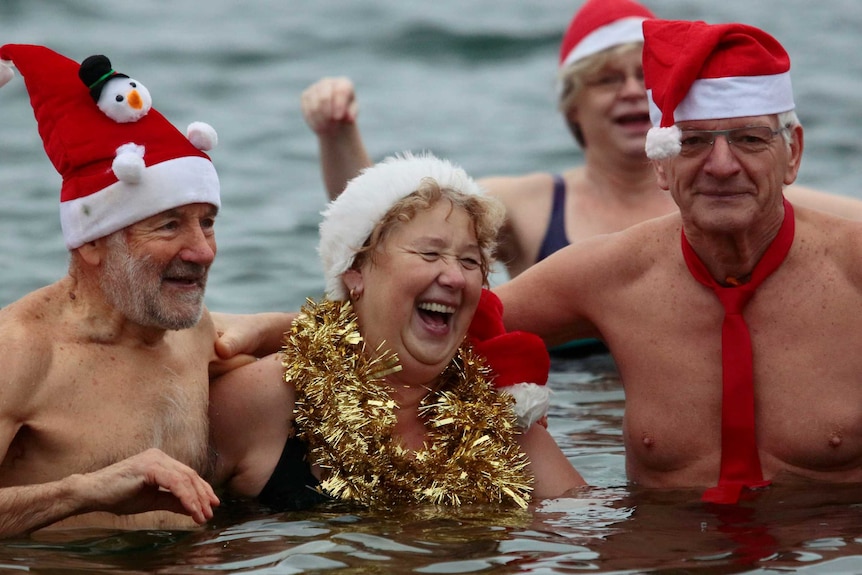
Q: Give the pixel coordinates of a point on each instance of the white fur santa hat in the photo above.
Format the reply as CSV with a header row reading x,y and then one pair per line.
x,y
602,24
349,219
699,71
121,161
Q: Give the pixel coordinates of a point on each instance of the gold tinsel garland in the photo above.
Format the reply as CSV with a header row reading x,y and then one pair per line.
x,y
346,416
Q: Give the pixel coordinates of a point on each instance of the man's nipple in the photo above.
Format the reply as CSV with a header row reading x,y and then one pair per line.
x,y
647,440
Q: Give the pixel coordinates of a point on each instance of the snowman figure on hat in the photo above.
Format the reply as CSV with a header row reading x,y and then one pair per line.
x,y
121,98
124,99
109,143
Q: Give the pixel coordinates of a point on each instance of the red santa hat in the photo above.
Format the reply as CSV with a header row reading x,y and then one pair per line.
x,y
116,171
700,71
518,359
602,24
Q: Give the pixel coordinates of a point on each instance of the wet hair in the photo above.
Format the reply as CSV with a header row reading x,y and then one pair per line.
x,y
573,78
486,213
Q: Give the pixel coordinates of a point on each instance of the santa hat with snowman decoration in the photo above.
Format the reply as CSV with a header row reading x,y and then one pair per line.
x,y
121,161
700,71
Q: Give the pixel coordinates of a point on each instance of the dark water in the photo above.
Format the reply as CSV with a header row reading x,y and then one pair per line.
x,y
472,81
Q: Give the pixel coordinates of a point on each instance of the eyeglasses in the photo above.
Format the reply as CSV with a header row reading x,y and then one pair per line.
x,y
613,80
749,140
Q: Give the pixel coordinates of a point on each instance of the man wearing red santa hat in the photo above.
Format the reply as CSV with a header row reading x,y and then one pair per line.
x,y
104,392
601,97
733,322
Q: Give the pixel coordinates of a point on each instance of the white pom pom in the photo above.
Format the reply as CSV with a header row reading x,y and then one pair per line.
x,y
202,136
662,143
6,72
531,402
129,165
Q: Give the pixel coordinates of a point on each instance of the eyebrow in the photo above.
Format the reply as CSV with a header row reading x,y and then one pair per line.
x,y
176,213
434,242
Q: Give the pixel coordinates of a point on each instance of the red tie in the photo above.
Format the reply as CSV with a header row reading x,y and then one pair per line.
x,y
740,462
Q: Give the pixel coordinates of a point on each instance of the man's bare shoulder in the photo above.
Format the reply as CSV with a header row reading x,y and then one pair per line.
x,y
822,227
613,261
829,237
203,332
651,234
835,204
31,328
34,317
565,296
45,298
196,344
630,250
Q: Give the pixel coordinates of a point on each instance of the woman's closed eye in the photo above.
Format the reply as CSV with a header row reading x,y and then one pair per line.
x,y
470,263
467,262
431,256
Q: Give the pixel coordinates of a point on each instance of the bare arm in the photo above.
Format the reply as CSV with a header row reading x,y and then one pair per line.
x,y
244,337
149,481
550,297
553,472
251,414
330,109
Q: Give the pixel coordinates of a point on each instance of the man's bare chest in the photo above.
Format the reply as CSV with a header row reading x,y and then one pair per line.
x,y
87,419
813,429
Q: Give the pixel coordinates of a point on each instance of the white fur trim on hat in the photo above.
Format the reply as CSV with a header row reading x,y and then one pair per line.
x,y
531,402
7,72
736,97
169,184
349,219
621,31
662,143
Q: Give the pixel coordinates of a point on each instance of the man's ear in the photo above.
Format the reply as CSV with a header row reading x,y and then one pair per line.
x,y
794,159
93,252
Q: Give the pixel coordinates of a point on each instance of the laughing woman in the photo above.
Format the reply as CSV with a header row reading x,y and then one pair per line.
x,y
378,396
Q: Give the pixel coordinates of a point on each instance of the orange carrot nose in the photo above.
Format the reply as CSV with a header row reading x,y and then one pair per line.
x,y
134,100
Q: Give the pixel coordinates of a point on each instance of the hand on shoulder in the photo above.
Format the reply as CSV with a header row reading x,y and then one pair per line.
x,y
243,337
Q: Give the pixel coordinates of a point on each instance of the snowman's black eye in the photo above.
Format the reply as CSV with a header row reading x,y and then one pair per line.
x,y
119,97
133,84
